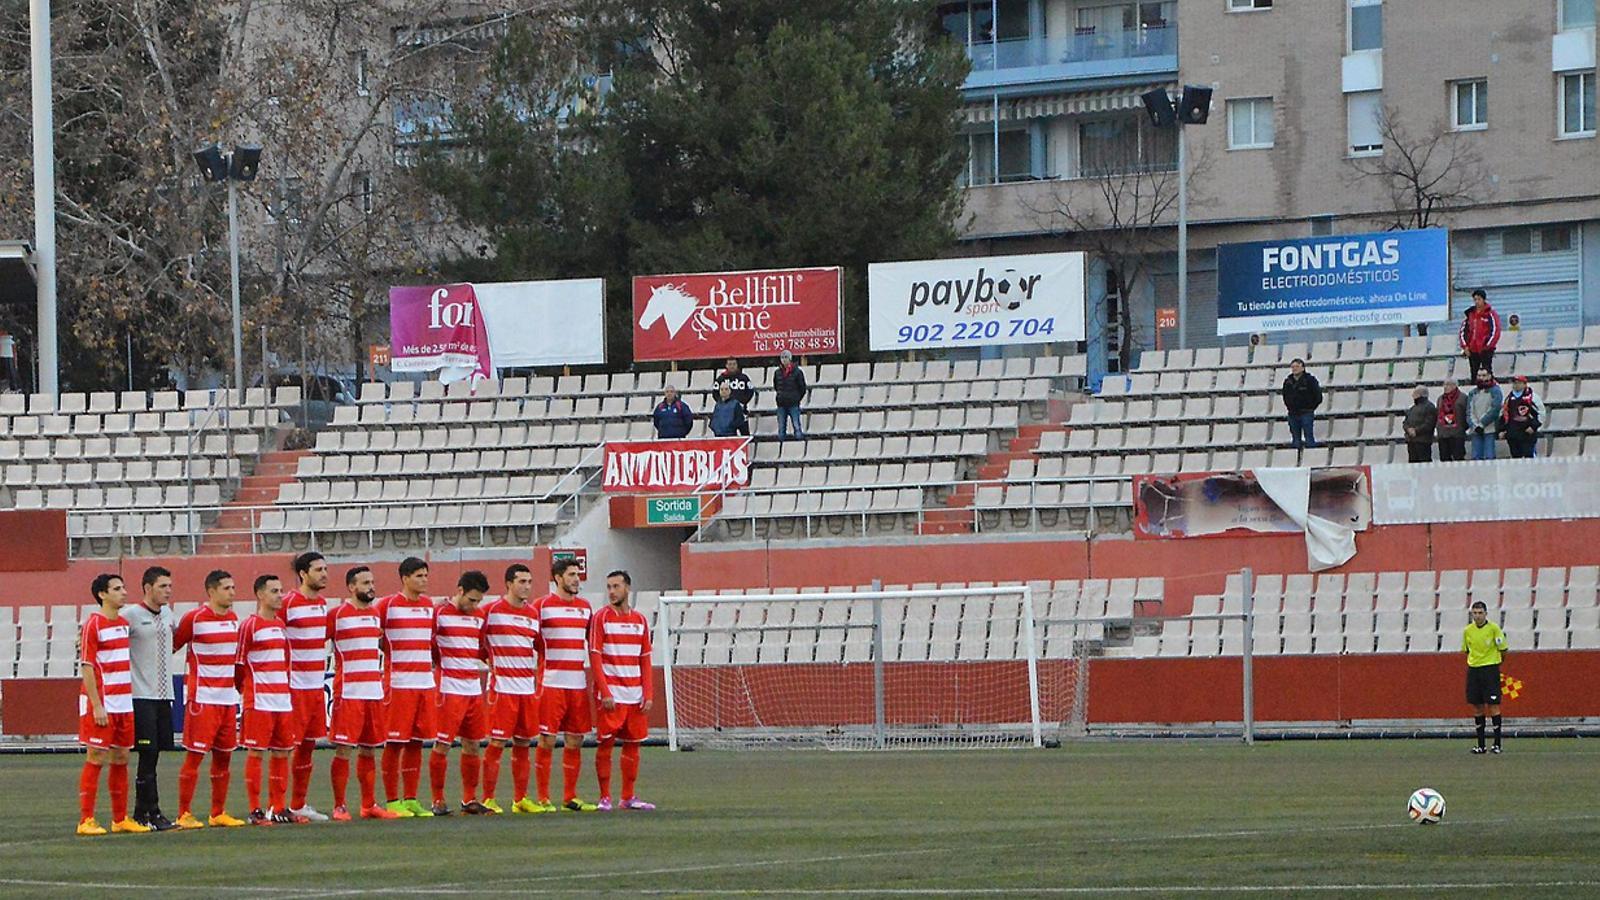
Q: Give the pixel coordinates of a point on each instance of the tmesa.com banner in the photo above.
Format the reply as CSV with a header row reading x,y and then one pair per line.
x,y
976,301
641,467
722,314
1340,281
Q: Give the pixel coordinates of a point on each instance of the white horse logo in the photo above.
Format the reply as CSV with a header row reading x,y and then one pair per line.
x,y
671,303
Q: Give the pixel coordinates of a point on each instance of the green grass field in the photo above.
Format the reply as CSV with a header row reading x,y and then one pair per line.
x,y
1154,818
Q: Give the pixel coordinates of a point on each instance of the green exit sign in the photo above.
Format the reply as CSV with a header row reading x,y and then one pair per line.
x,y
672,510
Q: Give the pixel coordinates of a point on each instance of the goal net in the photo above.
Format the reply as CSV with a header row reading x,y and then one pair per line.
x,y
865,669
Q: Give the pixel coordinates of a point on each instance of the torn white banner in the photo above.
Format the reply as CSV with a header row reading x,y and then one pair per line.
x,y
1329,543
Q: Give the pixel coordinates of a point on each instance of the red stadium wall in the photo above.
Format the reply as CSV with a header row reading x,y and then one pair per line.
x,y
33,540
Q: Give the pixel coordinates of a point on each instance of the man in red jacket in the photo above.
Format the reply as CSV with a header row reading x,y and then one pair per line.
x,y
1480,332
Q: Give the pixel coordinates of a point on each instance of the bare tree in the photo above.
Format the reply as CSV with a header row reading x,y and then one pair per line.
x,y
1126,216
1424,175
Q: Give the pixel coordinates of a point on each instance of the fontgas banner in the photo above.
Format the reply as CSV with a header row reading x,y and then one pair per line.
x,y
1389,278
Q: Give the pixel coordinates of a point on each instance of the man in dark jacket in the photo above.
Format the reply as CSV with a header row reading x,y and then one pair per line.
x,y
673,417
1521,418
1301,397
788,389
738,381
1480,334
1419,423
727,417
1452,424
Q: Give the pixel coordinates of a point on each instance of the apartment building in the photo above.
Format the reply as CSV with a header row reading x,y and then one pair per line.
x,y
1052,106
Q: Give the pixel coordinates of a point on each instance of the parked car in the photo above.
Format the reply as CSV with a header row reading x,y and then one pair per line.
x,y
322,394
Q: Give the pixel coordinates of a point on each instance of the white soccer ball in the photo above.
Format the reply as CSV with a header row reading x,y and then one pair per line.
x,y
1426,806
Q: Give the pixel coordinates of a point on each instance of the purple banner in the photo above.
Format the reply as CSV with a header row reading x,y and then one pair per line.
x,y
438,327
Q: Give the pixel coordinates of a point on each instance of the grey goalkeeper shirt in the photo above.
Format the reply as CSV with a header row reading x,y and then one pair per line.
x,y
150,650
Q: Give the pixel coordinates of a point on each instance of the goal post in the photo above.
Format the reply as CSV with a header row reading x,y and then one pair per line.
x,y
856,669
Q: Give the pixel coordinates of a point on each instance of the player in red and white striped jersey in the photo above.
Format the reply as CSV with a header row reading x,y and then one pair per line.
x,y
305,619
357,637
211,698
269,722
105,708
619,658
564,686
458,648
511,636
407,619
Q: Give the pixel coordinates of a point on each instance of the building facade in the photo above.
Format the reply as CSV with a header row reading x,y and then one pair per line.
x,y
1296,143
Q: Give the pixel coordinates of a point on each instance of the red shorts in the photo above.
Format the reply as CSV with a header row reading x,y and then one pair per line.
x,y
310,715
628,723
512,716
410,715
357,723
564,711
207,726
116,733
459,715
265,730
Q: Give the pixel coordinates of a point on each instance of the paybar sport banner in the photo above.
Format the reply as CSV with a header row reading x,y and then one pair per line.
x,y
1339,281
983,301
729,314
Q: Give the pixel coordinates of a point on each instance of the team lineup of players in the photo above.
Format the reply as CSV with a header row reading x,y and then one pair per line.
x,y
514,672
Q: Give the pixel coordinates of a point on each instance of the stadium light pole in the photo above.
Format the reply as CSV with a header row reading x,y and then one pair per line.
x,y
1193,108
44,198
240,165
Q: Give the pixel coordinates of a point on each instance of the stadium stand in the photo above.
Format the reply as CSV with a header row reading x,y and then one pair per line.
x,y
1550,608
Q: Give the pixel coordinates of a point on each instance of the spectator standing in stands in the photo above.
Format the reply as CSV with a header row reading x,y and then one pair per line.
x,y
1480,332
739,382
1484,406
1301,397
1419,423
1452,425
1521,418
1513,322
673,417
150,625
727,417
788,388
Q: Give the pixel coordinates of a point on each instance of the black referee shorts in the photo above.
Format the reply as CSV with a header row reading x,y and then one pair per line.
x,y
1483,685
152,725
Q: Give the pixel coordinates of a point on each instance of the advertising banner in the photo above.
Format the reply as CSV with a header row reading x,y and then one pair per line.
x,y
1388,278
722,314
473,330
438,327
647,467
977,301
1210,504
1486,491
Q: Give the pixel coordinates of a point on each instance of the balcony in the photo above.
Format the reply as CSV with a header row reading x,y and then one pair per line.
x,y
1148,50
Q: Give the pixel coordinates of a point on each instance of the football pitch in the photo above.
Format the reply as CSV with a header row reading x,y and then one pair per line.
x,y
1151,818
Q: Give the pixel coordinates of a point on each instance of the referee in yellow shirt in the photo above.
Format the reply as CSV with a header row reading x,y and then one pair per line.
x,y
1485,646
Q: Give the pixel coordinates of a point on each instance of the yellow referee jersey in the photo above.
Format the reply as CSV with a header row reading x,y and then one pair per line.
x,y
1483,644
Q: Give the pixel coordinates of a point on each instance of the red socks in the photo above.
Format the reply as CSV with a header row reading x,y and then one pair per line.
x,y
470,765
117,783
277,781
366,773
630,769
542,757
220,763
411,769
188,777
302,772
602,768
391,771
88,788
252,780
436,768
491,770
340,771
571,764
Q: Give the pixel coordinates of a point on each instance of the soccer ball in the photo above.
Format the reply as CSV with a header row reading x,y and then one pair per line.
x,y
1426,806
1008,289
